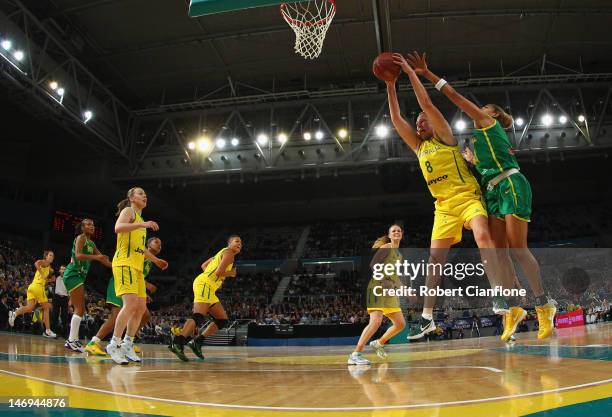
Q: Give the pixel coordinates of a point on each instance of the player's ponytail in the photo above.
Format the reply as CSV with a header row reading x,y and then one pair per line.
x,y
383,240
504,119
125,202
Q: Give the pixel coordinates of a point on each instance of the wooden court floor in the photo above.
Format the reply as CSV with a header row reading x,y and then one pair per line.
x,y
571,374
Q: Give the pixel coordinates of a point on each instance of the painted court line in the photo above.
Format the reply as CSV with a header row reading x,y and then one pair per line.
x,y
487,368
256,407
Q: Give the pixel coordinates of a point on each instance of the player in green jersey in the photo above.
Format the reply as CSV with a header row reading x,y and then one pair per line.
x,y
83,252
507,195
154,246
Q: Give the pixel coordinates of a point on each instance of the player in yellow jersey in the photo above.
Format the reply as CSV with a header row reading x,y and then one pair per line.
x,y
205,300
379,305
36,293
457,193
128,266
154,245
507,194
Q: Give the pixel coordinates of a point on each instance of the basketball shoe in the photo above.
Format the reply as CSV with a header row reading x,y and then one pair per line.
x,y
94,348
420,329
511,322
546,319
379,349
356,358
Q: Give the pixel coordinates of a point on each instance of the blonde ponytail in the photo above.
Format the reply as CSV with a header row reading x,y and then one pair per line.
x,y
383,240
125,202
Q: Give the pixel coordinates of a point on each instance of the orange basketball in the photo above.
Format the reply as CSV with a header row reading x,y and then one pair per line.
x,y
384,68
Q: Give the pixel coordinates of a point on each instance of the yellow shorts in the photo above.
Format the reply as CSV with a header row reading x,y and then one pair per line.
x,y
204,292
37,292
453,214
129,281
386,311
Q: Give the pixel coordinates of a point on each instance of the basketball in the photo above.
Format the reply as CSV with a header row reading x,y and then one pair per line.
x,y
384,68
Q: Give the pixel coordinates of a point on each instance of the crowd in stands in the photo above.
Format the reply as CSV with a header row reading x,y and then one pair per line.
x,y
318,295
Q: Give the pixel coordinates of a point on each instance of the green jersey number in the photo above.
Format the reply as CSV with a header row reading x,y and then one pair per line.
x,y
429,167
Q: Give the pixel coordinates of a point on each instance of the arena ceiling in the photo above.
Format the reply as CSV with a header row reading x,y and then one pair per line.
x,y
151,52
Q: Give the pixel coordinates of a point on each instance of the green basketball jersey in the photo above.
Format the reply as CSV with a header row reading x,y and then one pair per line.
x,y
76,267
493,152
147,267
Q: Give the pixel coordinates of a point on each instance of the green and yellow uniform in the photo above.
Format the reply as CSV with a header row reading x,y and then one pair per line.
x,y
493,155
207,283
128,262
385,303
450,182
111,295
36,289
76,271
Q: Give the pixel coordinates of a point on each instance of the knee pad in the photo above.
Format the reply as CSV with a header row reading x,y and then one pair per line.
x,y
198,318
221,323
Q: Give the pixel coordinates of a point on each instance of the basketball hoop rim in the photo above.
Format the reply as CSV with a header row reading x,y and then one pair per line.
x,y
294,22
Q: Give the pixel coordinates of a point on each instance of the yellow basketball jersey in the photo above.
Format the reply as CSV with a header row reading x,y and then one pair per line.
x,y
445,170
41,276
131,247
209,272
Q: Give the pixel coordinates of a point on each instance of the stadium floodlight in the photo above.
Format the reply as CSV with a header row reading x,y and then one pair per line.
x,y
220,143
382,131
87,116
191,145
547,120
460,125
319,135
581,118
307,136
519,122
282,138
262,139
204,144
562,119
235,142
18,55
60,91
342,133
53,85
6,44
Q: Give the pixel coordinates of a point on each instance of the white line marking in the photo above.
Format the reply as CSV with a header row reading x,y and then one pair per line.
x,y
257,407
487,368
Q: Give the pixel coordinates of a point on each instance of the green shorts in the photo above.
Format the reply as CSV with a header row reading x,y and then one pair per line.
x,y
73,281
111,295
511,195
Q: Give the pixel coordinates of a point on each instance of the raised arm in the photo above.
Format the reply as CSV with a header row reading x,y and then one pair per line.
x,y
160,263
104,259
125,222
80,256
419,64
403,128
440,125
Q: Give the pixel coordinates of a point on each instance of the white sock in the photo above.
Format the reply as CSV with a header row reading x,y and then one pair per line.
x,y
115,341
427,316
95,339
128,340
75,323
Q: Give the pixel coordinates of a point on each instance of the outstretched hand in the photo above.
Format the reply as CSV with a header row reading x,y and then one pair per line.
x,y
417,62
398,59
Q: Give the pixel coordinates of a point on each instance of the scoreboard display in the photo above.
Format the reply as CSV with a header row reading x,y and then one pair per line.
x,y
64,222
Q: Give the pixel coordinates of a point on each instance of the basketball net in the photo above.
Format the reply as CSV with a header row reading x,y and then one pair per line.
x,y
310,21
